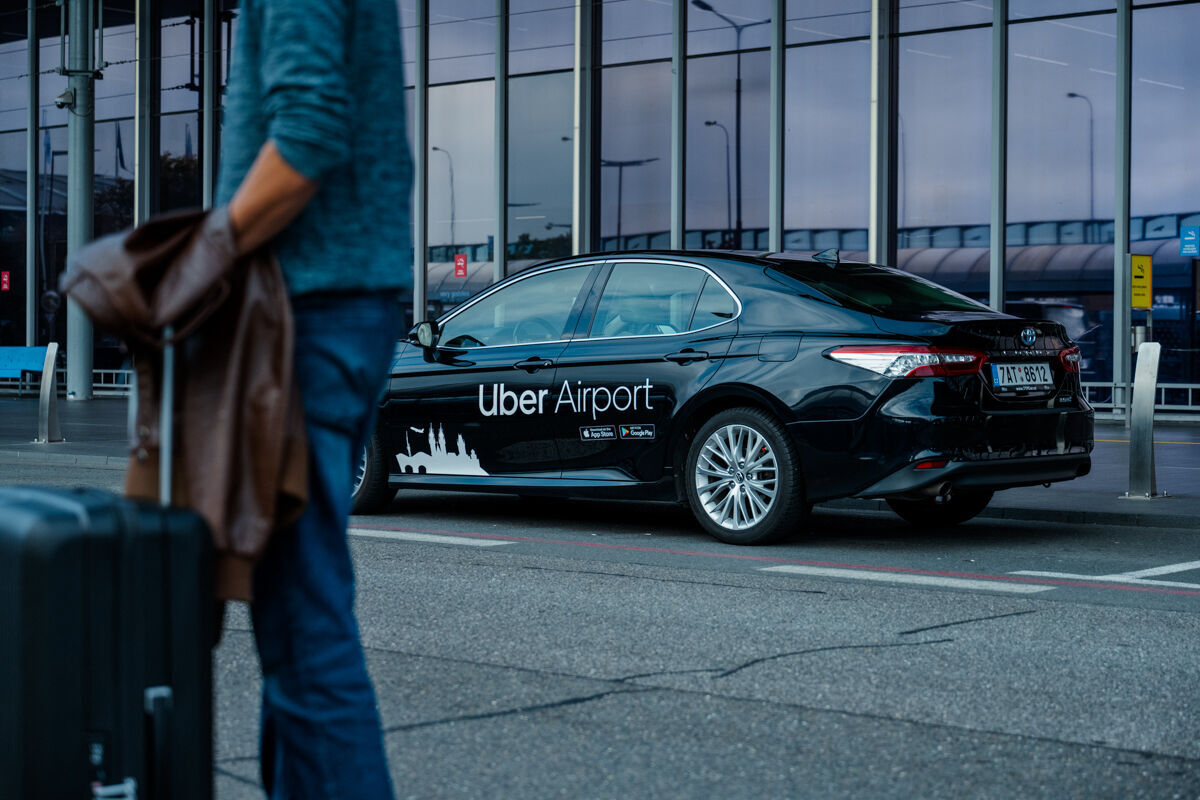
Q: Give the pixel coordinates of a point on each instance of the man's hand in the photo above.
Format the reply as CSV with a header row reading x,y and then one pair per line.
x,y
271,195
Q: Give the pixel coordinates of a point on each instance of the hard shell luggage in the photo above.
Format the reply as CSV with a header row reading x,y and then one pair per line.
x,y
107,621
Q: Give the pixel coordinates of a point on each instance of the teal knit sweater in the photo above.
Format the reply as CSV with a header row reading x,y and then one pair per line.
x,y
323,80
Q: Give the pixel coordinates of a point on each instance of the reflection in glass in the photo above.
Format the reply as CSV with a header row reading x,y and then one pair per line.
x,y
1025,9
1060,133
922,15
823,20
944,135
827,146
710,23
1166,111
1165,118
635,125
1061,119
634,30
462,40
535,309
12,238
114,94
541,36
540,119
52,228
647,300
180,64
461,170
719,87
113,181
179,164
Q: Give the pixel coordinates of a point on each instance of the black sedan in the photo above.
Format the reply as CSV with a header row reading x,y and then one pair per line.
x,y
747,386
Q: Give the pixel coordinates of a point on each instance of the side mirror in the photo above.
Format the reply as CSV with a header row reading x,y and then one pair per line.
x,y
427,333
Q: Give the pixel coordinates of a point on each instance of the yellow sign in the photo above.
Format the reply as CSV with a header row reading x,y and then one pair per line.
x,y
1140,296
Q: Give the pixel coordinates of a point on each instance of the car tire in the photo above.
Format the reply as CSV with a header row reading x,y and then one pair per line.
x,y
739,505
371,493
942,512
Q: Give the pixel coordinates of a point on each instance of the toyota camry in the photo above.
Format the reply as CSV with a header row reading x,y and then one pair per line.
x,y
748,387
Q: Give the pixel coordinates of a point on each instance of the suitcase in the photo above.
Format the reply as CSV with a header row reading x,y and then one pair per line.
x,y
105,662
108,622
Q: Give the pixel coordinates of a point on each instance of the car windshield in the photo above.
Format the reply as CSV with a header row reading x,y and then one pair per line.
x,y
877,290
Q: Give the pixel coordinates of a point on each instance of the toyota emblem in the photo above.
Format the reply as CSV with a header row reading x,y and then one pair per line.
x,y
1028,337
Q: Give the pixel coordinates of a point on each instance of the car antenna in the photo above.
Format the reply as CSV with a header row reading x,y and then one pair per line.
x,y
828,257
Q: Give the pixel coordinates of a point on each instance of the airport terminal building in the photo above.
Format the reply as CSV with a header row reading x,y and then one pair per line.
x,y
1018,151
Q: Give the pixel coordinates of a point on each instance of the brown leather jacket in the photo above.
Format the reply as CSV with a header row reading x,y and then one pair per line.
x,y
240,450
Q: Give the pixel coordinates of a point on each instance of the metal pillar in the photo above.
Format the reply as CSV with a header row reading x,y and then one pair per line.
x,y
999,220
420,153
678,123
1121,266
81,140
208,116
882,232
31,180
500,249
778,99
145,127
581,201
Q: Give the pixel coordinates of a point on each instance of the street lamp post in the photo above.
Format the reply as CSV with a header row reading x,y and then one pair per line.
x,y
450,161
737,100
1091,155
728,207
621,165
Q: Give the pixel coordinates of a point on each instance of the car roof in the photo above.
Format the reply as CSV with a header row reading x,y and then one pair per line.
x,y
760,258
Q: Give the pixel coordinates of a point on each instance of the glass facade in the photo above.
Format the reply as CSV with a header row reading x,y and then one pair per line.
x,y
635,156
615,109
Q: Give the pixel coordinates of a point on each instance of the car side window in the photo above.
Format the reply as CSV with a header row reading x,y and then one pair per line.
x,y
535,309
647,300
715,306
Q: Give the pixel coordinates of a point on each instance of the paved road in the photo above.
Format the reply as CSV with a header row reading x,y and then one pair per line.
x,y
582,649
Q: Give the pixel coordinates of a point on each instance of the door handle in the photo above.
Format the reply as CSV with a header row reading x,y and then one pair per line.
x,y
532,365
686,356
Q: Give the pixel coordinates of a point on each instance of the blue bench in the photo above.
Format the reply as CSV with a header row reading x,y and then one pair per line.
x,y
19,362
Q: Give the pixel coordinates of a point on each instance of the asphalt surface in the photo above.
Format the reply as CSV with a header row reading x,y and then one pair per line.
x,y
587,649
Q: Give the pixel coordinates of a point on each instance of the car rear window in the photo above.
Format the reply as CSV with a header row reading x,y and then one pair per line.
x,y
877,290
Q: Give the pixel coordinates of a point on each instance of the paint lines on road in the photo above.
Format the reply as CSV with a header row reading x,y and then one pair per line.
x,y
1138,578
913,578
428,538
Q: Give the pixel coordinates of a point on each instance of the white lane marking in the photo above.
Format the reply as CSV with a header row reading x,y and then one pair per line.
x,y
905,577
1167,570
427,538
1108,579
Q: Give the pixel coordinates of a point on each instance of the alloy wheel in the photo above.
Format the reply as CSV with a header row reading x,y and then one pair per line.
x,y
736,477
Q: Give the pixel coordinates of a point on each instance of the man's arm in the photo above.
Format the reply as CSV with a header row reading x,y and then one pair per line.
x,y
271,195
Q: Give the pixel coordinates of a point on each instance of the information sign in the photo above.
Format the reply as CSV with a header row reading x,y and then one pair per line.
x,y
1140,296
1189,241
460,265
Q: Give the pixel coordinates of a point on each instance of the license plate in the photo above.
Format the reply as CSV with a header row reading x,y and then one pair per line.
x,y
1021,376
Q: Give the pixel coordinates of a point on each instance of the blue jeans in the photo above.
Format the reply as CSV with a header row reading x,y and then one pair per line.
x,y
321,734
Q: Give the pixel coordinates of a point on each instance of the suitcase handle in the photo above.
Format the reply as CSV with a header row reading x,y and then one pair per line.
x,y
159,703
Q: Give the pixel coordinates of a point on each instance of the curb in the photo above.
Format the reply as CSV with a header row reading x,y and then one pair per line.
x,y
63,459
1128,519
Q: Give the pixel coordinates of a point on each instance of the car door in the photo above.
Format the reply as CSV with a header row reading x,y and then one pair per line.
x,y
475,406
658,332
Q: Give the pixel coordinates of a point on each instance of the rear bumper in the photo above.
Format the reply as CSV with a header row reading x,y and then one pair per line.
x,y
1001,473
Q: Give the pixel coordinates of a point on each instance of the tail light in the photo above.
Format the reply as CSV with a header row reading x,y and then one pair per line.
x,y
1070,359
911,361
